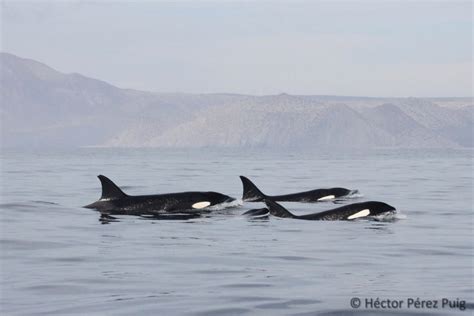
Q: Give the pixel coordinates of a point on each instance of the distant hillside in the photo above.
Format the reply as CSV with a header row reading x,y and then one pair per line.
x,y
43,107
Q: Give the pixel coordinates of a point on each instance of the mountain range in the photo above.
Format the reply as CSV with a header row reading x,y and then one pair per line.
x,y
44,107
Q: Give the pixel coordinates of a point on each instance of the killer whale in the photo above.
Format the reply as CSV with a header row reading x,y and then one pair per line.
x,y
252,194
114,201
346,212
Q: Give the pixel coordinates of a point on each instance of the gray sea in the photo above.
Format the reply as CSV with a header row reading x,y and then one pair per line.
x,y
58,258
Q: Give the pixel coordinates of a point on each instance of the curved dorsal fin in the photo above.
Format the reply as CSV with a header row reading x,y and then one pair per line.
x,y
251,192
109,189
278,210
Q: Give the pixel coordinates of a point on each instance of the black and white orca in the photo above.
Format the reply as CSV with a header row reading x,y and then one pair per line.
x,y
252,194
346,212
115,201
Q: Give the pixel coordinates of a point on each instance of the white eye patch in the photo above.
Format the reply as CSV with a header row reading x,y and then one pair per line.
x,y
362,213
199,205
327,197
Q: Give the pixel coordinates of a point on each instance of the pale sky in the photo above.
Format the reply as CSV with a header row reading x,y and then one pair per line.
x,y
360,48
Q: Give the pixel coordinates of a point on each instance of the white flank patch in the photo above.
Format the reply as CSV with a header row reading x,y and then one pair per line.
x,y
360,214
328,197
201,204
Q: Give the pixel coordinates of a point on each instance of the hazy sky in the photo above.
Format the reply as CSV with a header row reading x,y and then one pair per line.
x,y
375,48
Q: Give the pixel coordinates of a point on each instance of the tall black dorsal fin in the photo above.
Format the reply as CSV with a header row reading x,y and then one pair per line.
x,y
109,189
250,191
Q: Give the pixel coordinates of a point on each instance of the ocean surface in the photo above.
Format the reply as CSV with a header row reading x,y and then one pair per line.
x,y
58,258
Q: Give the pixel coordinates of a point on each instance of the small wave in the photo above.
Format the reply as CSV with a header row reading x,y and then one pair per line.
x,y
257,213
400,216
389,217
221,206
108,219
45,202
27,206
19,207
354,194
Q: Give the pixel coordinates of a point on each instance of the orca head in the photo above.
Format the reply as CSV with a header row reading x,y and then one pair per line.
x,y
376,207
370,209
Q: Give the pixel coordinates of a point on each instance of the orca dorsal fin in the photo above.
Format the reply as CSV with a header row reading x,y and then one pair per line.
x,y
250,191
109,189
278,210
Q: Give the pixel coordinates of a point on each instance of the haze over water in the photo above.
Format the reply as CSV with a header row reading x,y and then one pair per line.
x,y
58,258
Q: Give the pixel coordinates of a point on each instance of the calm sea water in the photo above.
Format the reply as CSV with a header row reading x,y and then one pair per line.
x,y
58,258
